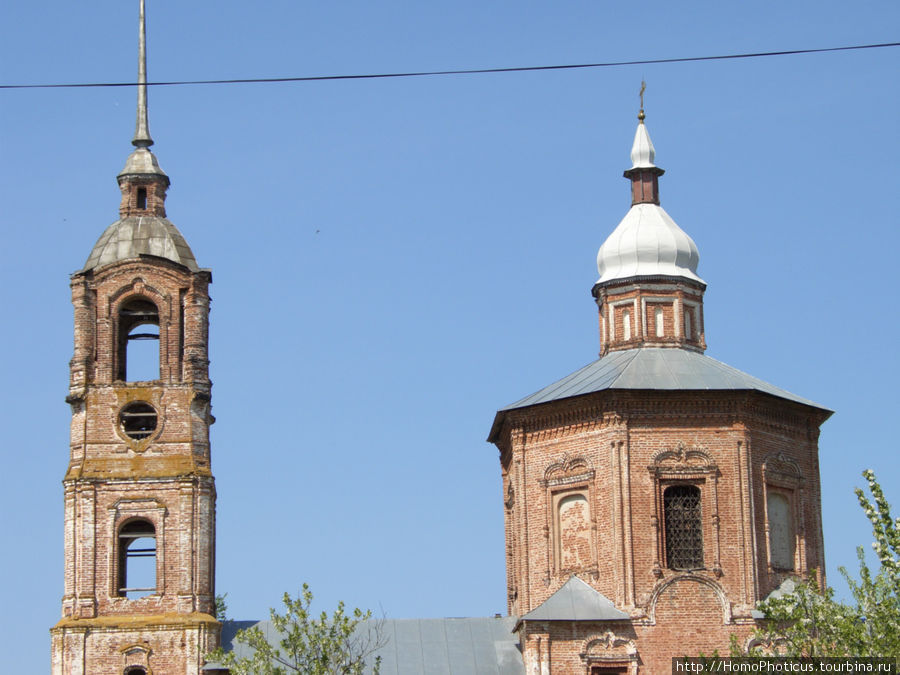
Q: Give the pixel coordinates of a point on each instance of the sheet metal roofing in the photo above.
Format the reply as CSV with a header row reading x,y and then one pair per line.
x,y
141,235
649,368
576,601
466,646
646,243
142,162
642,151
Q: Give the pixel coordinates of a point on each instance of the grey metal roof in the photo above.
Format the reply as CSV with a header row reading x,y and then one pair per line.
x,y
651,368
466,646
141,235
576,601
142,161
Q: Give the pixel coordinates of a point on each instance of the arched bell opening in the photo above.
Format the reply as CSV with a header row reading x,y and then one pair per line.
x,y
139,350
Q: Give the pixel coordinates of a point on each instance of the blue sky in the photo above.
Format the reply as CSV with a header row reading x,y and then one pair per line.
x,y
393,260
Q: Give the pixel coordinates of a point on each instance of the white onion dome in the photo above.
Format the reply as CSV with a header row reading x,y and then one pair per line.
x,y
647,243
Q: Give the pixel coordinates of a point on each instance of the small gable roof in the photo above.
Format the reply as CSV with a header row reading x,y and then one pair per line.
x,y
576,601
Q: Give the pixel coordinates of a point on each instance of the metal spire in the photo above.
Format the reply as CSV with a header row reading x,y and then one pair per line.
x,y
142,129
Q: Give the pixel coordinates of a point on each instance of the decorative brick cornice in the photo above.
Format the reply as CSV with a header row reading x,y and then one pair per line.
x,y
150,622
628,409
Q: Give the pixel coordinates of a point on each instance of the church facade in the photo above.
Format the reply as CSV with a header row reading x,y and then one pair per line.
x,y
655,496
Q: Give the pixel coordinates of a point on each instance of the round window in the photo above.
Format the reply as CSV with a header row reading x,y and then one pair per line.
x,y
138,420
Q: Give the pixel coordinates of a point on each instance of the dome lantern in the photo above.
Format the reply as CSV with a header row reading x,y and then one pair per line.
x,y
648,291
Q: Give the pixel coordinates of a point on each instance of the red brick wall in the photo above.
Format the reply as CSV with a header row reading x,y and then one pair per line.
x,y
154,196
621,449
641,299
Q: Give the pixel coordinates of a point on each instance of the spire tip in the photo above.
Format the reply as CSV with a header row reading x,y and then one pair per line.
x,y
142,137
641,112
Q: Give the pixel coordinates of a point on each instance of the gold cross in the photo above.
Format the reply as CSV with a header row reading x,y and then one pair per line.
x,y
643,87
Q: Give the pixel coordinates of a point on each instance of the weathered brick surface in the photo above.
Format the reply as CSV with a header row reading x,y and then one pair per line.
x,y
636,302
152,201
620,450
161,644
164,479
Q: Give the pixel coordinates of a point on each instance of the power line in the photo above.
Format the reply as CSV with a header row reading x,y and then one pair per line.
x,y
473,71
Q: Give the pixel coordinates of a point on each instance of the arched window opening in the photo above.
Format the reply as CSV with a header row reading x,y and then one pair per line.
x,y
135,670
781,531
658,320
142,198
626,325
137,559
683,527
138,341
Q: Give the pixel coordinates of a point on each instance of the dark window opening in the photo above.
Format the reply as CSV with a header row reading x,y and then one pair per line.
x,y
684,527
142,198
137,559
138,420
135,670
138,341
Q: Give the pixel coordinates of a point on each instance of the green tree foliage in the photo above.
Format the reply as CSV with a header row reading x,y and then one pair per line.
x,y
221,607
808,622
307,643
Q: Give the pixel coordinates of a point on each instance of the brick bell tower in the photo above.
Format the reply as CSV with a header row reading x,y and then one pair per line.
x,y
139,494
653,497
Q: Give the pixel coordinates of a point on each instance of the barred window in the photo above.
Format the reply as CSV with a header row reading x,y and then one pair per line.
x,y
683,527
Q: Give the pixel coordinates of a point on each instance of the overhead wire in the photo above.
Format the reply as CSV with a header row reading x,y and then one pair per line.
x,y
468,71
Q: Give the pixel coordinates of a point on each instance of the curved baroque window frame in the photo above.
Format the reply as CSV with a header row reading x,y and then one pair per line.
x,y
569,477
